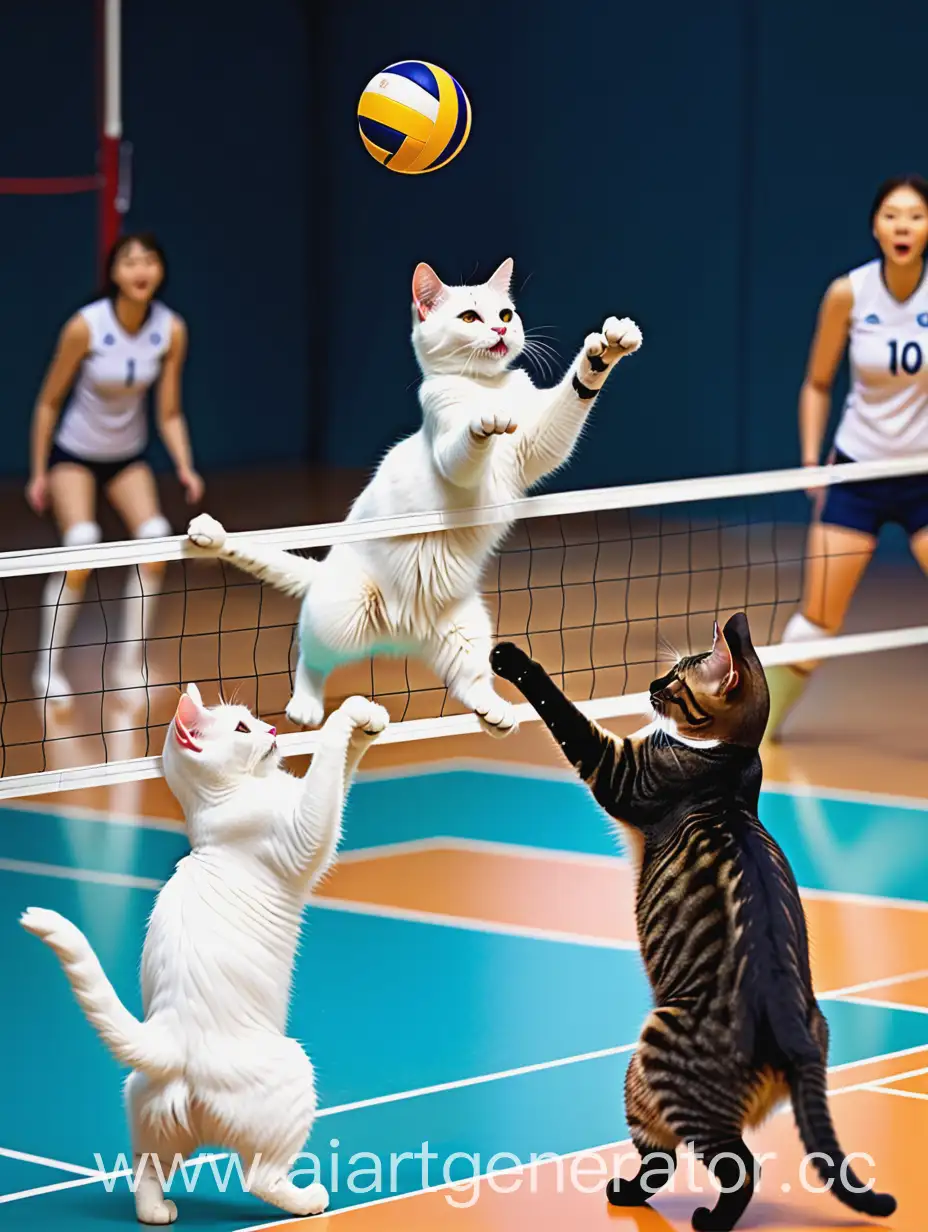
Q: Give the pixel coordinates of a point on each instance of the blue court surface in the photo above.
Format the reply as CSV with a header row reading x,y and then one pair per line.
x,y
413,1025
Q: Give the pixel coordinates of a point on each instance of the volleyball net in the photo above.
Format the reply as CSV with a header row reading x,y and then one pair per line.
x,y
604,587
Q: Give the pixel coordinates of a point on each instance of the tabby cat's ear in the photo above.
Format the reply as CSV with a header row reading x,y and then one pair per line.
x,y
721,663
501,280
428,290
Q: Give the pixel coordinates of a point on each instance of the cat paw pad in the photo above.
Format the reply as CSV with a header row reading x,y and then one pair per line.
x,y
493,423
507,660
499,719
365,715
205,532
305,711
622,336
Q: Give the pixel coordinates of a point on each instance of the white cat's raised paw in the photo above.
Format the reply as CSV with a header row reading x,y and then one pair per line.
x,y
305,711
499,719
365,715
205,532
622,336
493,423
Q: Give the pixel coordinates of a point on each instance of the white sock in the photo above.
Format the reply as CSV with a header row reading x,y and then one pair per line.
x,y
60,605
799,629
139,607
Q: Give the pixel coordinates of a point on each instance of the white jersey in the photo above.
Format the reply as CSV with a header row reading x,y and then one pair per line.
x,y
105,418
886,412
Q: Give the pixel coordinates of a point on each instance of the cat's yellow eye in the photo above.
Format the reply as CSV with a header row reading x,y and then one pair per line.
x,y
469,316
242,728
506,316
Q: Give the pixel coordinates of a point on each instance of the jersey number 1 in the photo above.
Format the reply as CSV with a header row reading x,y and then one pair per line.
x,y
910,360
130,369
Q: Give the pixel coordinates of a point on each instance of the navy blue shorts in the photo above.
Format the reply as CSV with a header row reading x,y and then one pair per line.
x,y
869,505
103,472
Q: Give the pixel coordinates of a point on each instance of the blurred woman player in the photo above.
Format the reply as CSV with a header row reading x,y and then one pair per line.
x,y
111,352
881,310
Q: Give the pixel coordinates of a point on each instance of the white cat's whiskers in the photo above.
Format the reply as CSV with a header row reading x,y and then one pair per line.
x,y
541,354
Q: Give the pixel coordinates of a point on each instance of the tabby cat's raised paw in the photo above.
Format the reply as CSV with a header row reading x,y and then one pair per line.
x,y
508,660
205,532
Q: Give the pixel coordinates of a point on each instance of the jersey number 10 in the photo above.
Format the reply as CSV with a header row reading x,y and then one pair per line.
x,y
910,360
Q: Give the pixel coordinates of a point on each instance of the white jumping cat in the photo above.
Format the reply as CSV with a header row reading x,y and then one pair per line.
x,y
488,434
211,1061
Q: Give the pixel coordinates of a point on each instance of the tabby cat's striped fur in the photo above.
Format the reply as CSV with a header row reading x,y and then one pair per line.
x,y
736,1027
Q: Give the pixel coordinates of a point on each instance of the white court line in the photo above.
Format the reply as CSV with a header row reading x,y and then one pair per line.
x,y
478,1080
524,851
841,795
68,873
874,1083
892,1091
97,1178
47,1189
45,1162
559,774
864,900
78,812
882,1056
467,924
383,851
883,1005
886,982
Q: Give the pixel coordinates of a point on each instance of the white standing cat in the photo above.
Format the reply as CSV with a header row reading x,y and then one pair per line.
x,y
487,435
211,1061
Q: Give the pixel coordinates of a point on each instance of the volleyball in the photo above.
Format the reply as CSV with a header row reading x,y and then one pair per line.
x,y
414,117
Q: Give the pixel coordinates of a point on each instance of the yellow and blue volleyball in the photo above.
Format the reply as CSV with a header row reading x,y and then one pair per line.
x,y
414,117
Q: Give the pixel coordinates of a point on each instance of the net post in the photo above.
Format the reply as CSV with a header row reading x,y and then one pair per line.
x,y
109,52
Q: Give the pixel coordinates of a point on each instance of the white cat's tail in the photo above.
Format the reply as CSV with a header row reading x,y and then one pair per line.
x,y
283,570
140,1045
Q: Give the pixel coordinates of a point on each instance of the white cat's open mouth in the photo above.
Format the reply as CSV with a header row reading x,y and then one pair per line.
x,y
499,348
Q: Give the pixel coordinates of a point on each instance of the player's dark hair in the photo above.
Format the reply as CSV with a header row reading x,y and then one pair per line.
x,y
146,240
917,183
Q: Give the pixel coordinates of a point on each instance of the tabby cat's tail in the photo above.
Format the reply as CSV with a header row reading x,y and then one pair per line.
x,y
141,1045
810,1105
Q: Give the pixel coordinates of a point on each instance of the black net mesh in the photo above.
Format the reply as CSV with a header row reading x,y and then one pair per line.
x,y
602,599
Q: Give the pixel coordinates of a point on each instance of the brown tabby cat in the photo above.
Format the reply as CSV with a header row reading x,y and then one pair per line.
x,y
736,1027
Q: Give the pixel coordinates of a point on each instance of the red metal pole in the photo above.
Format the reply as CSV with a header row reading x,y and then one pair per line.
x,y
109,39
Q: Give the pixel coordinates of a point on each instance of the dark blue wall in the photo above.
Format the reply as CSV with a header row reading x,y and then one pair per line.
x,y
216,105
705,170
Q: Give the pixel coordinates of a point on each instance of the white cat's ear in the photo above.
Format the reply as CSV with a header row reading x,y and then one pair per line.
x,y
428,290
185,723
194,692
501,280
